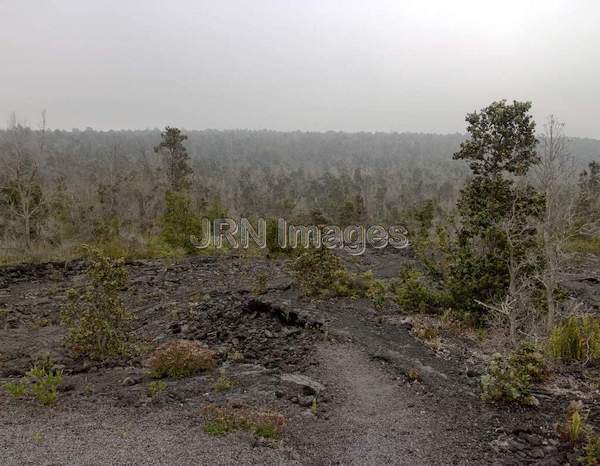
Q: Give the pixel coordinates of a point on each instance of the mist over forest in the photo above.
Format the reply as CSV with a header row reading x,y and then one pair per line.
x,y
115,179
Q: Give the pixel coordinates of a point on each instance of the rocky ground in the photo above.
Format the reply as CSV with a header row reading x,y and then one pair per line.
x,y
355,360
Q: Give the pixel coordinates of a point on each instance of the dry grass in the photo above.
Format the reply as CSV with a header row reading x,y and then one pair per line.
x,y
181,358
265,423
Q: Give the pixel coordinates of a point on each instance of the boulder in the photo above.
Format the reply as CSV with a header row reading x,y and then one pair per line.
x,y
306,384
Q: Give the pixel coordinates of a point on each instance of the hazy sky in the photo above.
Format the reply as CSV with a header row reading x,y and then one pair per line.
x,y
310,65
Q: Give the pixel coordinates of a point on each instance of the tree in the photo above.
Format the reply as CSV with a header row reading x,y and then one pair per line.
x,y
21,193
179,223
502,138
177,158
496,214
99,324
554,173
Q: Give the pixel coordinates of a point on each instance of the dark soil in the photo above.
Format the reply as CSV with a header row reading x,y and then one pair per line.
x,y
367,411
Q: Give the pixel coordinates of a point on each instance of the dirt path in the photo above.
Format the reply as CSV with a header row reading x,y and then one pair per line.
x,y
376,424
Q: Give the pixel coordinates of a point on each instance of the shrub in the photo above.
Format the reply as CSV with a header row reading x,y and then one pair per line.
x,y
510,379
359,285
181,358
261,423
179,222
45,384
316,270
575,427
577,339
98,322
156,387
260,286
592,451
320,273
376,292
428,334
412,295
413,374
223,383
41,381
16,389
530,360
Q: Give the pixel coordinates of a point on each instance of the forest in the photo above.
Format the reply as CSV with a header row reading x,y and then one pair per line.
x,y
61,189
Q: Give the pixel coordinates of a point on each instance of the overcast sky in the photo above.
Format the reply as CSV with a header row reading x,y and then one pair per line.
x,y
309,65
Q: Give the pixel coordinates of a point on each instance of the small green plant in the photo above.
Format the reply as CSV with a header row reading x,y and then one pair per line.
x,y
574,429
45,383
314,407
181,358
509,379
16,389
38,438
413,374
223,383
220,420
3,317
156,387
591,450
260,287
576,339
576,426
98,322
42,381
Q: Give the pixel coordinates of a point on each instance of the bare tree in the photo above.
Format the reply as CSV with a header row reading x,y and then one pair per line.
x,y
554,173
20,187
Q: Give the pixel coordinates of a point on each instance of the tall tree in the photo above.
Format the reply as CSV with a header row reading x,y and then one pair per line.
x,y
495,212
177,159
554,173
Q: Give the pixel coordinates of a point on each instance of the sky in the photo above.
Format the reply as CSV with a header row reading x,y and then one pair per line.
x,y
309,65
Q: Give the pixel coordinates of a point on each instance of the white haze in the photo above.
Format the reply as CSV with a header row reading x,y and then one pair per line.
x,y
287,65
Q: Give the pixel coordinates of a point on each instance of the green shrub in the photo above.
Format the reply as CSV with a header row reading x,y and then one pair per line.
x,y
376,292
315,270
530,360
592,451
181,358
16,389
97,320
576,339
510,379
179,223
413,295
41,381
156,387
45,383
